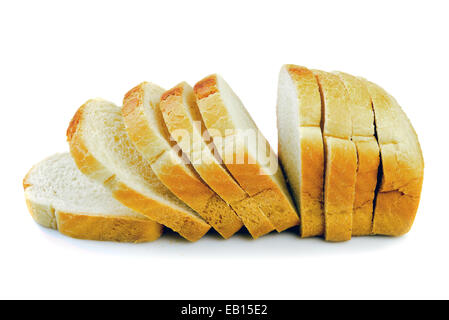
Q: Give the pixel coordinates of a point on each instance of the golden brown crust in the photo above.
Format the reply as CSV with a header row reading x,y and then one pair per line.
x,y
187,187
312,182
133,98
107,228
89,227
206,87
247,174
190,227
339,188
402,166
42,214
73,126
253,217
138,128
298,72
311,178
340,158
337,115
273,202
199,197
176,118
308,95
173,92
362,117
102,228
368,164
170,168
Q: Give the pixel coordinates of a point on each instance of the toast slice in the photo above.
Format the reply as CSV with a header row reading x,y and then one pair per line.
x,y
147,130
253,164
59,196
399,191
362,118
301,151
103,151
340,157
184,123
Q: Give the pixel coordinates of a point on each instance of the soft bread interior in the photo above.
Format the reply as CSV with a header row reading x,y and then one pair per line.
x,y
106,138
201,146
261,151
181,114
288,118
149,133
160,140
57,182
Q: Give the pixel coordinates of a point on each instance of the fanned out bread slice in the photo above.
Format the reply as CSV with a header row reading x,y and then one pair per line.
x,y
103,151
340,157
184,123
253,164
362,117
399,192
59,196
146,129
301,150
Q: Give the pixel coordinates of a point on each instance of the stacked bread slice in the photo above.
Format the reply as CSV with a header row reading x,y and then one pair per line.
x,y
184,122
192,159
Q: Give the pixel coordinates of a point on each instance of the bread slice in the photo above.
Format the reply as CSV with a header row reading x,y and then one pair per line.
x,y
362,117
146,129
60,197
301,150
102,150
340,157
253,164
184,123
399,191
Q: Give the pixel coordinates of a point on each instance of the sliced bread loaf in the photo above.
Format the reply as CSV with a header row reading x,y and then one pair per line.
x,y
103,151
301,150
402,166
59,196
185,125
362,118
253,164
340,157
146,129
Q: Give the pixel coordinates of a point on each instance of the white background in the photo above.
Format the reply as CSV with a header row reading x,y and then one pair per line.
x,y
54,55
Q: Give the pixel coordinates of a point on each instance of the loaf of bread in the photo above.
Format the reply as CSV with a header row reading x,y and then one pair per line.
x,y
191,159
373,165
